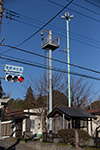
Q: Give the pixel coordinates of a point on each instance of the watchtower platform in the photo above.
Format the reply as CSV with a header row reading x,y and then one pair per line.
x,y
50,42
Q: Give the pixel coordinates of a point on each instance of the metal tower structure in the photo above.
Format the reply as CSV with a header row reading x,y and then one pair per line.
x,y
50,42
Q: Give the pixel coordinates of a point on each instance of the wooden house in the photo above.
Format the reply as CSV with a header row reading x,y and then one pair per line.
x,y
69,117
95,123
21,123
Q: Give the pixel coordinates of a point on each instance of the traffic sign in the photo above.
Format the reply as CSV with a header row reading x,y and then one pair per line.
x,y
13,69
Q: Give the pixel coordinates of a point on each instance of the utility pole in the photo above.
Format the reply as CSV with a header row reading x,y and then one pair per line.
x,y
67,18
50,43
1,10
50,80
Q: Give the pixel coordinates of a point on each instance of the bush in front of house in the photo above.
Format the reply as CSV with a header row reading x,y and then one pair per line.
x,y
83,136
68,136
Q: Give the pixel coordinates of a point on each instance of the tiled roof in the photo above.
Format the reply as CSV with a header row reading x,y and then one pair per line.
x,y
94,111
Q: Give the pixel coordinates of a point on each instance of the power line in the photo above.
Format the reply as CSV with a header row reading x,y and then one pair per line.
x,y
80,41
83,42
21,21
39,66
52,25
10,16
45,24
21,16
21,59
85,8
63,36
33,53
93,40
92,3
76,11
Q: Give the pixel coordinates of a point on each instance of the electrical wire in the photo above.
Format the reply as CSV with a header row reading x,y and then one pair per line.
x,y
54,69
92,3
38,21
45,24
21,16
63,36
85,8
21,59
77,40
21,21
97,47
33,53
93,40
76,11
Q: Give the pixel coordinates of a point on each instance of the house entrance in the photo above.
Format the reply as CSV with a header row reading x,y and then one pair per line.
x,y
18,127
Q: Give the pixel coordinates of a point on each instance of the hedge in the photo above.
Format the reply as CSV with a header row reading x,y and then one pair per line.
x,y
68,136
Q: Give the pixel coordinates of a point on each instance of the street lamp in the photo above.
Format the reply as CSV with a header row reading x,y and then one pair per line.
x,y
67,17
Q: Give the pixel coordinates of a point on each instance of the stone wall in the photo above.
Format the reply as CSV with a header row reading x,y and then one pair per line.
x,y
35,145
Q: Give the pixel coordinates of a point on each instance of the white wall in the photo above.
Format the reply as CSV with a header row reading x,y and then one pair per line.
x,y
37,129
95,124
37,125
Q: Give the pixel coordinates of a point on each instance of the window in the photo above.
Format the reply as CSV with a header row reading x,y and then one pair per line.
x,y
83,123
76,123
32,123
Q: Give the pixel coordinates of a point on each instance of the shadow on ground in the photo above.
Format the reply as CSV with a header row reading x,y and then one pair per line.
x,y
2,148
12,147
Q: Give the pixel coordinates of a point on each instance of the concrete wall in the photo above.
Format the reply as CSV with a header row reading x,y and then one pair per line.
x,y
37,145
46,146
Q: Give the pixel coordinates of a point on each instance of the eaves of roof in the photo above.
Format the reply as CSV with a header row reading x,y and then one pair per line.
x,y
71,112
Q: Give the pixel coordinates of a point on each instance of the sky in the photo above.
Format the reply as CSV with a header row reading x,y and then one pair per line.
x,y
29,17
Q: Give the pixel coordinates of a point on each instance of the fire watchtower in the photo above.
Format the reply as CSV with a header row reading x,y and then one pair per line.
x,y
50,41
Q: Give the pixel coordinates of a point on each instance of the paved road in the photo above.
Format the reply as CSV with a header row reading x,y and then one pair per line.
x,y
9,144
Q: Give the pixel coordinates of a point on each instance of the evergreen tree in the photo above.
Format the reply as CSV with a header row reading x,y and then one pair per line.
x,y
59,98
15,105
29,101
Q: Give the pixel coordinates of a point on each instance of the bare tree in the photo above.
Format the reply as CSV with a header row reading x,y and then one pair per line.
x,y
94,105
58,82
40,87
80,92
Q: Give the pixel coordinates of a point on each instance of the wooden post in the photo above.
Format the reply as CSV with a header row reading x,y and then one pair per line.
x,y
63,121
76,140
91,125
87,126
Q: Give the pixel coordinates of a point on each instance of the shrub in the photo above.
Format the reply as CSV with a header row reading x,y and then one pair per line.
x,y
68,136
83,136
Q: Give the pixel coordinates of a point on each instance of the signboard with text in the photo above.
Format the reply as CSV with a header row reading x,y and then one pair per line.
x,y
13,69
